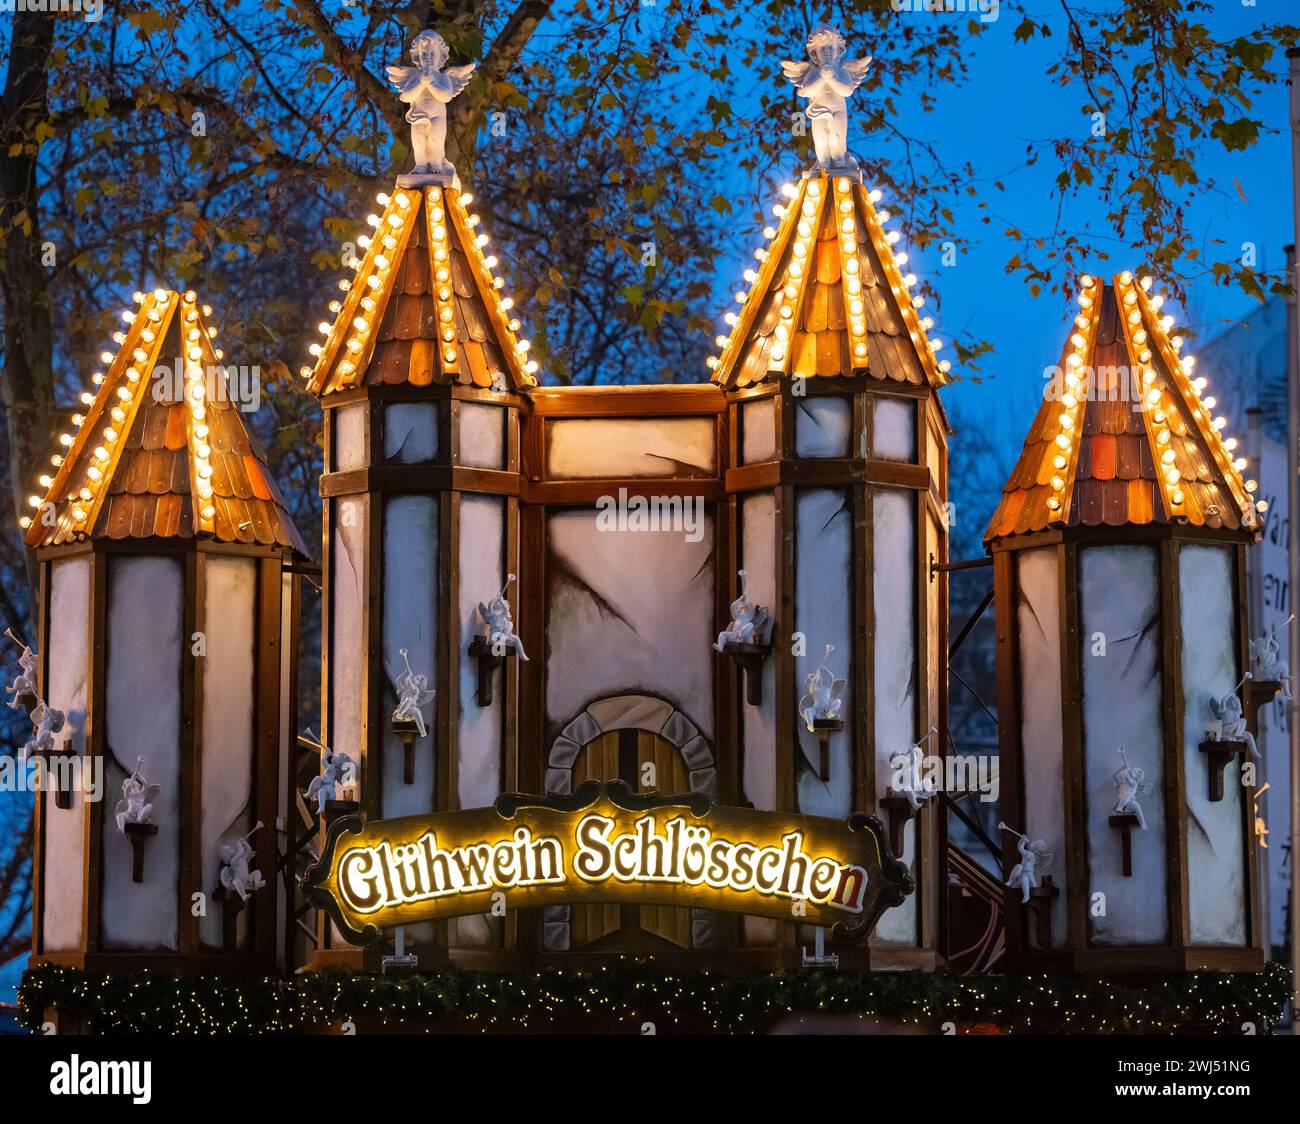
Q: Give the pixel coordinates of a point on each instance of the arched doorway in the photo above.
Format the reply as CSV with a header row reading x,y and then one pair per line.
x,y
648,744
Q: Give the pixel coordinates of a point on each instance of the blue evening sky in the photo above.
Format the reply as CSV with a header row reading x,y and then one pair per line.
x,y
1009,100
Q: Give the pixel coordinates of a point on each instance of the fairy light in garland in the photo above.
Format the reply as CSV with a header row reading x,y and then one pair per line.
x,y
1075,389
757,281
1144,309
439,248
82,497
196,391
894,262
805,219
629,992
486,264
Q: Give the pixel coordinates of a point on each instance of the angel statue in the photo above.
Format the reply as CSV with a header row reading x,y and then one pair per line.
x,y
24,684
750,623
1267,654
1035,858
1232,721
501,626
412,693
427,89
1130,786
336,769
909,777
827,82
236,878
136,805
822,693
48,722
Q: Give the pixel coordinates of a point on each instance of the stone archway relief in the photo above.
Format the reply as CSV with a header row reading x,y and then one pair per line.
x,y
632,712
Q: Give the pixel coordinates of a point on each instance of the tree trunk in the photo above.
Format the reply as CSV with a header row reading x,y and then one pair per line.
x,y
27,390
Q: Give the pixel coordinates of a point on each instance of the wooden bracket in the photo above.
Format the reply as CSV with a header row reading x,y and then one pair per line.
x,y
232,905
138,833
824,728
62,796
408,731
1259,693
750,657
1218,754
337,809
480,648
900,810
1126,822
1040,905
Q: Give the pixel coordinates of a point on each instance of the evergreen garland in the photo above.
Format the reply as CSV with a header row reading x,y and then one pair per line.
x,y
631,993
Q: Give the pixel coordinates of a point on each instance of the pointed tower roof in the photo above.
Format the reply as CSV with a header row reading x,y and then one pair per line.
x,y
829,297
1123,436
161,450
424,306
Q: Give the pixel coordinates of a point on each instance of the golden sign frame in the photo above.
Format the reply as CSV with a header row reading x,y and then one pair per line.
x,y
605,843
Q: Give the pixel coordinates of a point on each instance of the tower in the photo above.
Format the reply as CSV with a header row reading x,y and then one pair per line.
x,y
420,374
836,502
1119,553
162,544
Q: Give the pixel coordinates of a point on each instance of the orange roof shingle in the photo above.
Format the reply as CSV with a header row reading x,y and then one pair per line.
x,y
1123,437
424,307
164,454
828,298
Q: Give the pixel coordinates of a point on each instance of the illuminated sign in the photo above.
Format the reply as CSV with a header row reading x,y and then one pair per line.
x,y
606,843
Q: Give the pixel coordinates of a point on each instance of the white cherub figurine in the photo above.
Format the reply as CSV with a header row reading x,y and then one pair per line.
x,y
1267,654
1130,787
235,875
412,693
749,622
427,89
48,722
24,684
136,805
1233,722
337,770
827,82
909,773
1035,858
501,626
822,693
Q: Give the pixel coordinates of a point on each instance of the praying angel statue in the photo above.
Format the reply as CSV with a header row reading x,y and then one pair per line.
x,y
1034,859
827,81
412,693
427,89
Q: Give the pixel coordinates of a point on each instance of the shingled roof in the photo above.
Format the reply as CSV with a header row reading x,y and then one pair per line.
x,y
830,297
1123,436
151,441
424,306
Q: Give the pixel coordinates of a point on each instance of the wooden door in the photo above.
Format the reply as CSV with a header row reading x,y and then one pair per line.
x,y
623,755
